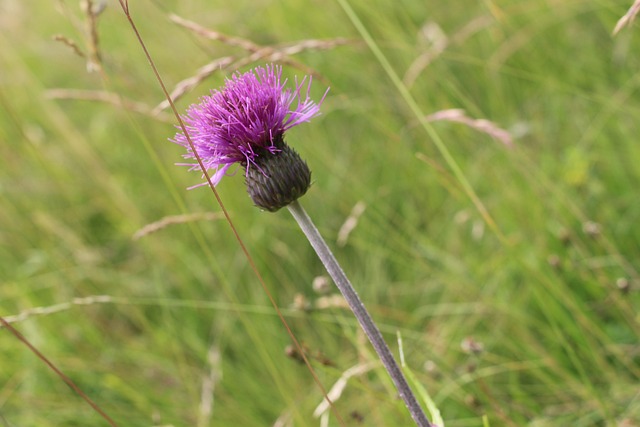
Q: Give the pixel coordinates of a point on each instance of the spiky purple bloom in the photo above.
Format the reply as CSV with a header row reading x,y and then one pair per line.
x,y
245,121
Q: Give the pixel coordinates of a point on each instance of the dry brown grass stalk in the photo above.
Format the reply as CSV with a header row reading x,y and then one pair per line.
x,y
185,86
176,219
89,27
350,223
109,98
279,53
481,125
94,57
341,384
57,371
56,308
214,35
628,17
438,42
209,382
70,43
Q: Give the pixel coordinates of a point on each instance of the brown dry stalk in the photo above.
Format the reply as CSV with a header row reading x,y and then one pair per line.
x,y
94,60
233,63
56,308
57,371
215,35
628,17
350,223
93,55
185,86
109,98
70,43
439,42
485,126
207,395
125,8
248,45
176,219
278,53
341,384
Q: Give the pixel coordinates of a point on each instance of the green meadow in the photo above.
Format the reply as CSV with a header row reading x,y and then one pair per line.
x,y
475,169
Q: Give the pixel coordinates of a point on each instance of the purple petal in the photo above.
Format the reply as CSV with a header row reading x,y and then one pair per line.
x,y
244,118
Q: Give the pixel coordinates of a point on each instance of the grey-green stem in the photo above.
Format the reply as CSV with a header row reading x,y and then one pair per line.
x,y
361,313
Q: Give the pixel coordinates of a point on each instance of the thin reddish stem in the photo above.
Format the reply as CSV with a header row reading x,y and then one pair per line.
x,y
57,371
125,7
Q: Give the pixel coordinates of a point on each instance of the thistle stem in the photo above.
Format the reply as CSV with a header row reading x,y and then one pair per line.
x,y
361,313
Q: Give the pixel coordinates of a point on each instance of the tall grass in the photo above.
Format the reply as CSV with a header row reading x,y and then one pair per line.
x,y
533,322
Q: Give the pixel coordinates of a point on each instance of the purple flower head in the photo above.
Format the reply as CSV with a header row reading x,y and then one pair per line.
x,y
245,120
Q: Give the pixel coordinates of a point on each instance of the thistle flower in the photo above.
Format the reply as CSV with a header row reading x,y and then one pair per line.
x,y
244,123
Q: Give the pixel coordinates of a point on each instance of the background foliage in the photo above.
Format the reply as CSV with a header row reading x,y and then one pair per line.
x,y
531,322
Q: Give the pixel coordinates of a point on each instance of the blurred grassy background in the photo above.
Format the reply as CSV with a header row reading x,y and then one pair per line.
x,y
548,299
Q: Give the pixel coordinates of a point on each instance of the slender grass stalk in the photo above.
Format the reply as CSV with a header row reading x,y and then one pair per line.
x,y
359,310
